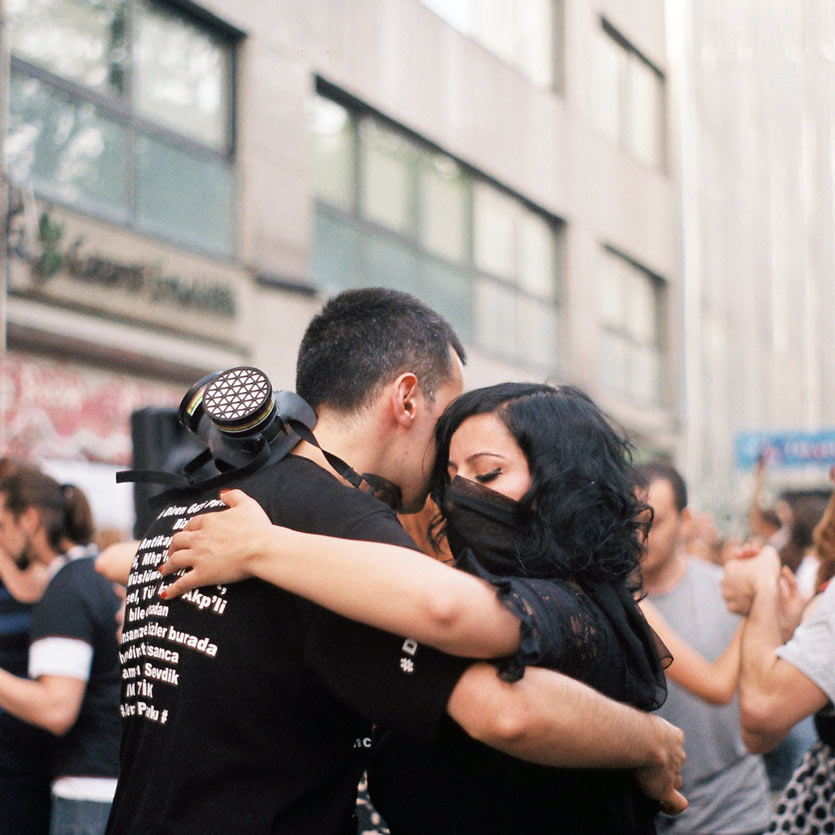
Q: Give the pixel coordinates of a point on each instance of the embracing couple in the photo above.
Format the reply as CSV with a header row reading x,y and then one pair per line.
x,y
510,693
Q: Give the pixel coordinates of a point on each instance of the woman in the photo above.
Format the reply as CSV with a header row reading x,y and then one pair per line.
x,y
73,686
537,500
808,801
24,749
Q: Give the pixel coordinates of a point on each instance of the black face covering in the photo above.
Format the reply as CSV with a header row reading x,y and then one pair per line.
x,y
486,522
485,530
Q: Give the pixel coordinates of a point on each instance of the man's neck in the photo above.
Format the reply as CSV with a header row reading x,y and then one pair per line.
x,y
667,576
347,438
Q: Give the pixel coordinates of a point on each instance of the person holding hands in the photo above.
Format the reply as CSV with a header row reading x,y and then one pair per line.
x,y
786,674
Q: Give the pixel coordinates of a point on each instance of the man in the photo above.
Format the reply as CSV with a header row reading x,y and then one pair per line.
x,y
247,709
73,686
726,786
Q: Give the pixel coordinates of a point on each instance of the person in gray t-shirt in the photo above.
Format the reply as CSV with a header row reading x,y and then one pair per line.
x,y
726,786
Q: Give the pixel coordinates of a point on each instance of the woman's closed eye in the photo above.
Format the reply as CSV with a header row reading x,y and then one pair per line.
x,y
485,478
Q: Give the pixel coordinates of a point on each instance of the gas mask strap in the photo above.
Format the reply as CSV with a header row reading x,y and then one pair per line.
x,y
379,487
182,480
185,483
175,481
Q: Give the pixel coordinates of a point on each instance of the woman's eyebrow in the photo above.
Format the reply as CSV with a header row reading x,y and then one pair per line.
x,y
470,458
487,453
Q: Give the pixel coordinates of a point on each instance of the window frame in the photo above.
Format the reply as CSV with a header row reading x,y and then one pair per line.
x,y
121,109
556,45
366,226
625,114
622,333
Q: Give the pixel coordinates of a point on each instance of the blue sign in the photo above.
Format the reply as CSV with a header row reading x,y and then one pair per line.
x,y
785,449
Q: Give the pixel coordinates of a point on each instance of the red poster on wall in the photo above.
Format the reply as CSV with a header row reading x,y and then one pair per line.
x,y
57,409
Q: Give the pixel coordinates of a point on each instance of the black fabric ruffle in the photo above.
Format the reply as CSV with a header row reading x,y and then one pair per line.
x,y
596,635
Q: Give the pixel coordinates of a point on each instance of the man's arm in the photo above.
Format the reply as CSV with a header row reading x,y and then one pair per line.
x,y
773,694
50,702
115,561
551,719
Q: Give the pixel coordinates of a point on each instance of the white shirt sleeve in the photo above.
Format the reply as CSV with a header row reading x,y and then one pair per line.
x,y
812,647
52,656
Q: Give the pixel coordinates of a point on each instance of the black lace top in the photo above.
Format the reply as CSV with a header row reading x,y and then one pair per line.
x,y
597,635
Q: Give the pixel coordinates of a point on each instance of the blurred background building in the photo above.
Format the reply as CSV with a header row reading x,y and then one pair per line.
x,y
601,192
755,117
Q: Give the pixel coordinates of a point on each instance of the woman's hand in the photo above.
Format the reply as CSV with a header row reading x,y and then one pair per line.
x,y
216,547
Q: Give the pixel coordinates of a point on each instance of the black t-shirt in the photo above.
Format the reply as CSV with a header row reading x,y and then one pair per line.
x,y
249,709
79,604
457,786
24,748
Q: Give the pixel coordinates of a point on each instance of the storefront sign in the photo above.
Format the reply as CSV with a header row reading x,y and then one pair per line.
x,y
83,263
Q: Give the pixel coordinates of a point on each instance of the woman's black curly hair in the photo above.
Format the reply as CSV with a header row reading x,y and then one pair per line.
x,y
582,519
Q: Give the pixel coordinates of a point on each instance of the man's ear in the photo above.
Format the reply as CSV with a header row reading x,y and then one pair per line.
x,y
404,398
685,515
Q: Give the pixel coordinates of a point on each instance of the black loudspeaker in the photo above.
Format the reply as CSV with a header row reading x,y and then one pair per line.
x,y
160,442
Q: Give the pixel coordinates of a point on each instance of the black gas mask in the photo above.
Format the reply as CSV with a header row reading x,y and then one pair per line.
x,y
241,420
245,425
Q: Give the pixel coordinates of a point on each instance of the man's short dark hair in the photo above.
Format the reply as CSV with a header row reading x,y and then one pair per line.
x,y
645,474
362,339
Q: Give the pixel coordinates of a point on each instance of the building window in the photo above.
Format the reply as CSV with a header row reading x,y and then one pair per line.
x,y
527,34
631,315
123,109
628,97
394,211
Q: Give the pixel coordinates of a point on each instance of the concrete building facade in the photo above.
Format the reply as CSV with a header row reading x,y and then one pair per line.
x,y
754,94
189,181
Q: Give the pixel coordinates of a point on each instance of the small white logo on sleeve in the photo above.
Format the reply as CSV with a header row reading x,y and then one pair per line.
x,y
410,646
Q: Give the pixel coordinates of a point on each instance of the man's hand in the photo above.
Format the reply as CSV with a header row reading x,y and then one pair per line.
x,y
661,780
216,547
740,578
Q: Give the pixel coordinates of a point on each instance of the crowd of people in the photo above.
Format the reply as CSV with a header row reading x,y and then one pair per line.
x,y
285,640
